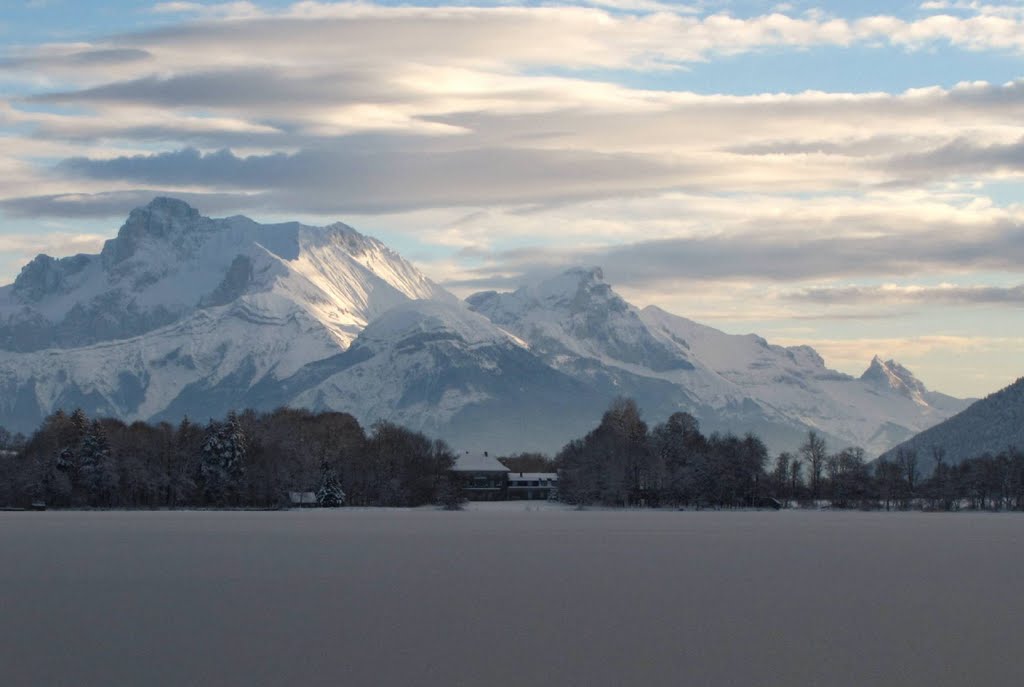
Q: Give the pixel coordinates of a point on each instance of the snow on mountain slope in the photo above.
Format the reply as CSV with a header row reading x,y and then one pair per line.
x,y
578,315
184,314
168,261
442,369
199,366
892,375
795,383
578,324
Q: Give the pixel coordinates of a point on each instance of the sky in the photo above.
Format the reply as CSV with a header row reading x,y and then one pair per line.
x,y
844,174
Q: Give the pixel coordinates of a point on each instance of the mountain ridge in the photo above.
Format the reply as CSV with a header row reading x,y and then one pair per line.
x,y
184,314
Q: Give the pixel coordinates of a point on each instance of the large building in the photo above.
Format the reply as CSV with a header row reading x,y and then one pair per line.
x,y
482,477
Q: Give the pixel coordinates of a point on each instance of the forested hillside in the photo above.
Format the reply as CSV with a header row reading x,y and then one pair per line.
x,y
990,425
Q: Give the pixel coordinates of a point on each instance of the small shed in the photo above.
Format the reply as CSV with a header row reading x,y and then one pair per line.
x,y
481,477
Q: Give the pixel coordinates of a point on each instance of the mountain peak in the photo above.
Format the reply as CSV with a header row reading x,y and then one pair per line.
x,y
578,285
891,374
40,276
161,215
586,274
161,218
170,207
577,316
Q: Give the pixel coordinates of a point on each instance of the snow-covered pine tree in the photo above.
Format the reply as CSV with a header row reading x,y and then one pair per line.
x,y
235,449
69,459
66,459
80,421
449,495
330,494
98,475
222,461
211,476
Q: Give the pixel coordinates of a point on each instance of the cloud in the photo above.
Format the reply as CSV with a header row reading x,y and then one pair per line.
x,y
346,180
912,347
644,6
962,156
353,155
783,257
299,86
59,243
893,293
237,89
217,9
622,34
889,347
99,57
778,254
118,203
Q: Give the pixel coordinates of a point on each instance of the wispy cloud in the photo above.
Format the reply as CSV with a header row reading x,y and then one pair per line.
x,y
896,293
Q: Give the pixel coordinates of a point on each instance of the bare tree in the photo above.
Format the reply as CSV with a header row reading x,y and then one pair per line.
x,y
795,476
815,453
906,459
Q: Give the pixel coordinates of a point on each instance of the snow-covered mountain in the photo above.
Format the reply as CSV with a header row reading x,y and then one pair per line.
x,y
579,325
183,314
167,262
449,372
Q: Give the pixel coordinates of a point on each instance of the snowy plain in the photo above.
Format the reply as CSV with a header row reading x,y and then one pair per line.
x,y
517,594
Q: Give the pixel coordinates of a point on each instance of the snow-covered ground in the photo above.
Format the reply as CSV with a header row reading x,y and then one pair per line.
x,y
509,596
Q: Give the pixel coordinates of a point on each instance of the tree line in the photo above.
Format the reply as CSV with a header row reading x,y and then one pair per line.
x,y
252,460
247,460
623,462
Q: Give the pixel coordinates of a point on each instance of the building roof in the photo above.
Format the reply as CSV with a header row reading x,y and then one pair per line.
x,y
477,462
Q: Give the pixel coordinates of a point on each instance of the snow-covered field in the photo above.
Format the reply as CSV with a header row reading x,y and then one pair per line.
x,y
510,596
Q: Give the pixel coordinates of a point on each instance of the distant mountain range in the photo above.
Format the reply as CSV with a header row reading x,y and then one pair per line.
x,y
183,314
991,425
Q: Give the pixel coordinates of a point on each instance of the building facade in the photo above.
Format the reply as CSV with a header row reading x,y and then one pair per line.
x,y
481,477
532,486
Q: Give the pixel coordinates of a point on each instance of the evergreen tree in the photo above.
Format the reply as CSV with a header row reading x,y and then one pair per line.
x,y
449,495
99,478
80,421
66,460
180,472
211,477
330,494
222,461
235,450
